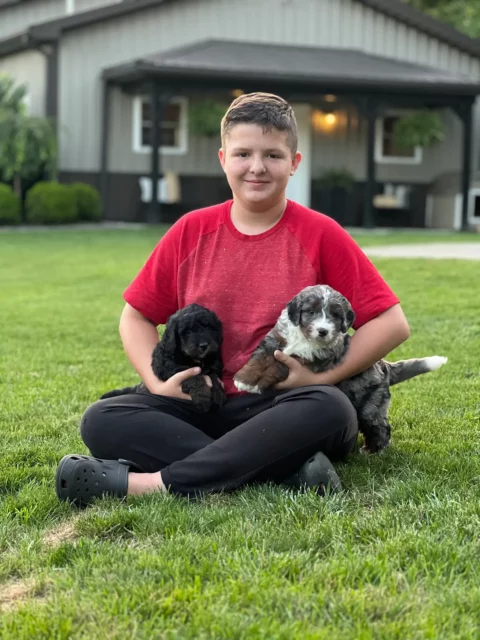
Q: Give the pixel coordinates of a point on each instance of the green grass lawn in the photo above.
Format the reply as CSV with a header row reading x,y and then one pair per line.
x,y
397,555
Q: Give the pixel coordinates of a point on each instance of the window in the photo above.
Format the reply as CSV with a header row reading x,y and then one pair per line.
x,y
385,150
174,126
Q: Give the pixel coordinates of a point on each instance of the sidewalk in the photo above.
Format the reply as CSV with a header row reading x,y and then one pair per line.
x,y
438,250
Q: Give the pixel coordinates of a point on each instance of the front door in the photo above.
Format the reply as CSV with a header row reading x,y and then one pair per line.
x,y
299,185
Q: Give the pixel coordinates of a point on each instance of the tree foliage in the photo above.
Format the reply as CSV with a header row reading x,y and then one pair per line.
x,y
462,14
28,146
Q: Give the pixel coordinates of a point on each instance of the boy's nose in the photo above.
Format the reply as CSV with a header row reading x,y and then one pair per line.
x,y
257,166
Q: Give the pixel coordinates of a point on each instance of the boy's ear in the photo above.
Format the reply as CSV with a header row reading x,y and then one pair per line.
x,y
221,157
295,162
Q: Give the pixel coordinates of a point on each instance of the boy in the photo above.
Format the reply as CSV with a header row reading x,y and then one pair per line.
x,y
244,259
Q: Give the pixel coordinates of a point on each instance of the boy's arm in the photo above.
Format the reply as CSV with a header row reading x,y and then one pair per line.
x,y
370,343
139,336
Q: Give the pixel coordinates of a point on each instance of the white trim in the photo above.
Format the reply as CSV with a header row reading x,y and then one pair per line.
x,y
457,212
137,146
379,157
474,191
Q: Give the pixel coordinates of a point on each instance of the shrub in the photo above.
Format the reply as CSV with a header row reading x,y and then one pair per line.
x,y
50,203
10,209
336,178
89,204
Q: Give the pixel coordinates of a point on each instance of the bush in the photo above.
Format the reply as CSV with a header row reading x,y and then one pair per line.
x,y
10,209
51,203
89,204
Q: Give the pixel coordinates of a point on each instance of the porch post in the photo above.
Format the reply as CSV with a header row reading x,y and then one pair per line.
x,y
466,115
369,221
104,144
153,211
159,99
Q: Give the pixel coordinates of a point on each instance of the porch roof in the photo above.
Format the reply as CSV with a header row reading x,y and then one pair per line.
x,y
230,62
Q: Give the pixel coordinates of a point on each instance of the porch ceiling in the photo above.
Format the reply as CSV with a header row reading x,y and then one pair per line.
x,y
229,63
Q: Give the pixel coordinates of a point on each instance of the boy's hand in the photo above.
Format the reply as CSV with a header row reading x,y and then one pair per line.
x,y
173,386
299,375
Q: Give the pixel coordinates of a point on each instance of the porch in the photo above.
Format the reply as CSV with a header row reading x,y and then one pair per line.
x,y
371,85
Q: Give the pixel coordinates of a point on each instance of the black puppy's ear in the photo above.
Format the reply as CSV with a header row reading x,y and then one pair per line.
x,y
171,337
219,328
294,309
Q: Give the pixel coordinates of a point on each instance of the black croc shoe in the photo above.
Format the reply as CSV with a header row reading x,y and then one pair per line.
x,y
80,479
316,473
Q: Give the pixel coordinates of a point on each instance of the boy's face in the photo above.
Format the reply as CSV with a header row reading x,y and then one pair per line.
x,y
258,165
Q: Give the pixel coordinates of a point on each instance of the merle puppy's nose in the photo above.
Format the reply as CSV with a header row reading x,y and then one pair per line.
x,y
323,333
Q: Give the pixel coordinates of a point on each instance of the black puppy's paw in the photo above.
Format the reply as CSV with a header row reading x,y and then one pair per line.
x,y
200,393
219,396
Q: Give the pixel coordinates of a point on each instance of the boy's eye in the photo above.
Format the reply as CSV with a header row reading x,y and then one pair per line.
x,y
242,154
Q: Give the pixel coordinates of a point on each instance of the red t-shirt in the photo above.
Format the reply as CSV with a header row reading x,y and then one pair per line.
x,y
248,280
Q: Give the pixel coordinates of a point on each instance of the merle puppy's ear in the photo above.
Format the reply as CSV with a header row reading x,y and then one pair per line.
x,y
294,309
348,315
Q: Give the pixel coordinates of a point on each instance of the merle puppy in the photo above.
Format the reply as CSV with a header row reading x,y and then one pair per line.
x,y
192,338
313,329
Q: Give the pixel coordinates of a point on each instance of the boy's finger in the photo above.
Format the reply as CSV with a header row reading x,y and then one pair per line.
x,y
282,357
185,375
208,380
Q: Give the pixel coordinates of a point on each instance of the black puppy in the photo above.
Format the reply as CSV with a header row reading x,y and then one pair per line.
x,y
192,338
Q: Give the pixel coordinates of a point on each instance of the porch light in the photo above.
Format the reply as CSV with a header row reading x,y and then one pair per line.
x,y
236,93
323,121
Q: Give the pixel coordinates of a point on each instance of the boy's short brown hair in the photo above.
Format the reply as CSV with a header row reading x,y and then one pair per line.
x,y
265,110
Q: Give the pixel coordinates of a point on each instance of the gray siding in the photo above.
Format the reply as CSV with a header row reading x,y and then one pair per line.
x,y
336,23
345,147
29,68
17,18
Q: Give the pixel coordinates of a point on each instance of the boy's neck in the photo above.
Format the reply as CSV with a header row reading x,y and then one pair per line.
x,y
252,222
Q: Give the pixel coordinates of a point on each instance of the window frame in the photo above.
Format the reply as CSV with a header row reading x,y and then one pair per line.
x,y
415,159
137,144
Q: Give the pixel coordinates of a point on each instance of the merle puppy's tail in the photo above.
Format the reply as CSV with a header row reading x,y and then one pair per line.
x,y
406,369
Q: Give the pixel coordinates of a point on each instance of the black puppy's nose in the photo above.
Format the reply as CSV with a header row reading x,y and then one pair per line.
x,y
323,333
203,346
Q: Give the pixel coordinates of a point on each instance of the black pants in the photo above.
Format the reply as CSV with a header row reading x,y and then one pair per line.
x,y
252,438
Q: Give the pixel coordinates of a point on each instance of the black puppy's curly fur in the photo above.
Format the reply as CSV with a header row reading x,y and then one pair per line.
x,y
192,338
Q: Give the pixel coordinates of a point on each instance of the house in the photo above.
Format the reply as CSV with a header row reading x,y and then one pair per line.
x,y
106,70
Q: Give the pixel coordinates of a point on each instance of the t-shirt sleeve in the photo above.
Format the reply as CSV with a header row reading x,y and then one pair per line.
x,y
346,268
154,290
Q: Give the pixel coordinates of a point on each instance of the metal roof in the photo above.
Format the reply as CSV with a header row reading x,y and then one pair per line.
x,y
394,8
303,67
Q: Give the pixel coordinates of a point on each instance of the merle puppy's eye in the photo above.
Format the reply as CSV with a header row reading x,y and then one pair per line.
x,y
307,312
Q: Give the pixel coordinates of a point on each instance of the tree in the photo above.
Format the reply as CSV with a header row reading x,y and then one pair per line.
x,y
28,145
462,14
